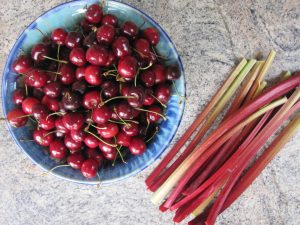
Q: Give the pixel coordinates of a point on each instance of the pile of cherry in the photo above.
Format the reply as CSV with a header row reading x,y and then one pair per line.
x,y
95,93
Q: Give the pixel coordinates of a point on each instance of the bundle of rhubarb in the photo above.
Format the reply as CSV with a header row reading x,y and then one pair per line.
x,y
217,167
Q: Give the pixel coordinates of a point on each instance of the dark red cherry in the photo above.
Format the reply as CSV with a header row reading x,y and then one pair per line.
x,y
124,89
67,74
105,148
47,123
148,78
149,99
127,67
135,113
43,137
159,71
28,104
39,111
109,19
18,96
38,93
86,25
124,110
90,141
58,149
111,59
89,168
53,90
77,57
152,35
36,78
129,29
101,115
22,64
76,160
17,118
142,46
123,139
73,40
163,93
71,101
39,51
110,156
94,153
79,86
91,99
121,47
105,34
97,55
94,14
90,40
71,144
93,75
78,135
152,116
59,36
59,126
79,73
110,89
172,73
51,103
138,96
108,130
73,120
137,146
130,129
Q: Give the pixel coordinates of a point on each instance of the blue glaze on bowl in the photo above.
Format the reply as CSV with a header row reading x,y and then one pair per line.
x,y
67,15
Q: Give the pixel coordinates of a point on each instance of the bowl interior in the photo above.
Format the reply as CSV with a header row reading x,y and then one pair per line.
x,y
68,15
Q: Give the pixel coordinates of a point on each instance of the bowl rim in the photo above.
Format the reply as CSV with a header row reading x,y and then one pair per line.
x,y
4,109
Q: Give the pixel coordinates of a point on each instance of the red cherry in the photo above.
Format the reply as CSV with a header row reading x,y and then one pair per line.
x,y
76,160
22,64
77,57
123,139
89,168
79,86
42,137
172,73
105,34
148,78
59,126
71,144
130,129
94,153
73,40
159,71
93,75
39,111
137,146
149,99
97,55
152,35
58,149
121,47
47,123
39,51
73,120
101,114
106,148
78,135
94,14
59,36
36,78
124,89
110,156
143,47
18,96
38,93
108,130
130,30
127,67
109,19
51,103
111,59
90,141
163,93
138,96
53,90
28,104
153,117
67,74
124,110
17,118
110,89
79,73
91,99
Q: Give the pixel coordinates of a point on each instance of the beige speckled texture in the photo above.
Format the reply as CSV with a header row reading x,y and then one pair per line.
x,y
210,36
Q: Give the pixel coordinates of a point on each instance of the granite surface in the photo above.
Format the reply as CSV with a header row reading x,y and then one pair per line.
x,y
210,36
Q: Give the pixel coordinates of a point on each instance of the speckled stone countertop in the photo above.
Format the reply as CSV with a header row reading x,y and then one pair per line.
x,y
210,36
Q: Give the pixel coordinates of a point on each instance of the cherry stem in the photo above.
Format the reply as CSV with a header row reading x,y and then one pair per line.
x,y
121,156
24,116
111,145
26,140
54,168
42,33
26,90
162,104
147,67
55,113
157,55
98,185
155,132
117,97
48,71
120,117
178,94
149,111
51,132
110,72
100,128
57,60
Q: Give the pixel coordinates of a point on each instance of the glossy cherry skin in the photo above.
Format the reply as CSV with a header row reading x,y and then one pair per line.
x,y
18,96
138,95
86,25
148,78
124,89
67,74
121,47
108,130
123,139
172,73
110,156
97,55
79,86
22,64
77,57
89,168
159,71
90,141
28,104
110,89
94,14
91,99
53,90
137,146
59,36
38,93
78,135
106,148
149,99
90,40
73,40
130,129
152,35
109,19
73,120
59,126
129,29
143,47
36,78
51,103
111,59
79,73
39,51
42,138
124,110
76,160
39,111
127,67
71,101
163,92
94,153
105,34
57,149
47,123
101,115
153,117
16,118
71,144
93,75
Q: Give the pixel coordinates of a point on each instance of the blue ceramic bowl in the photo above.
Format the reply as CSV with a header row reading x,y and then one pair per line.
x,y
67,15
